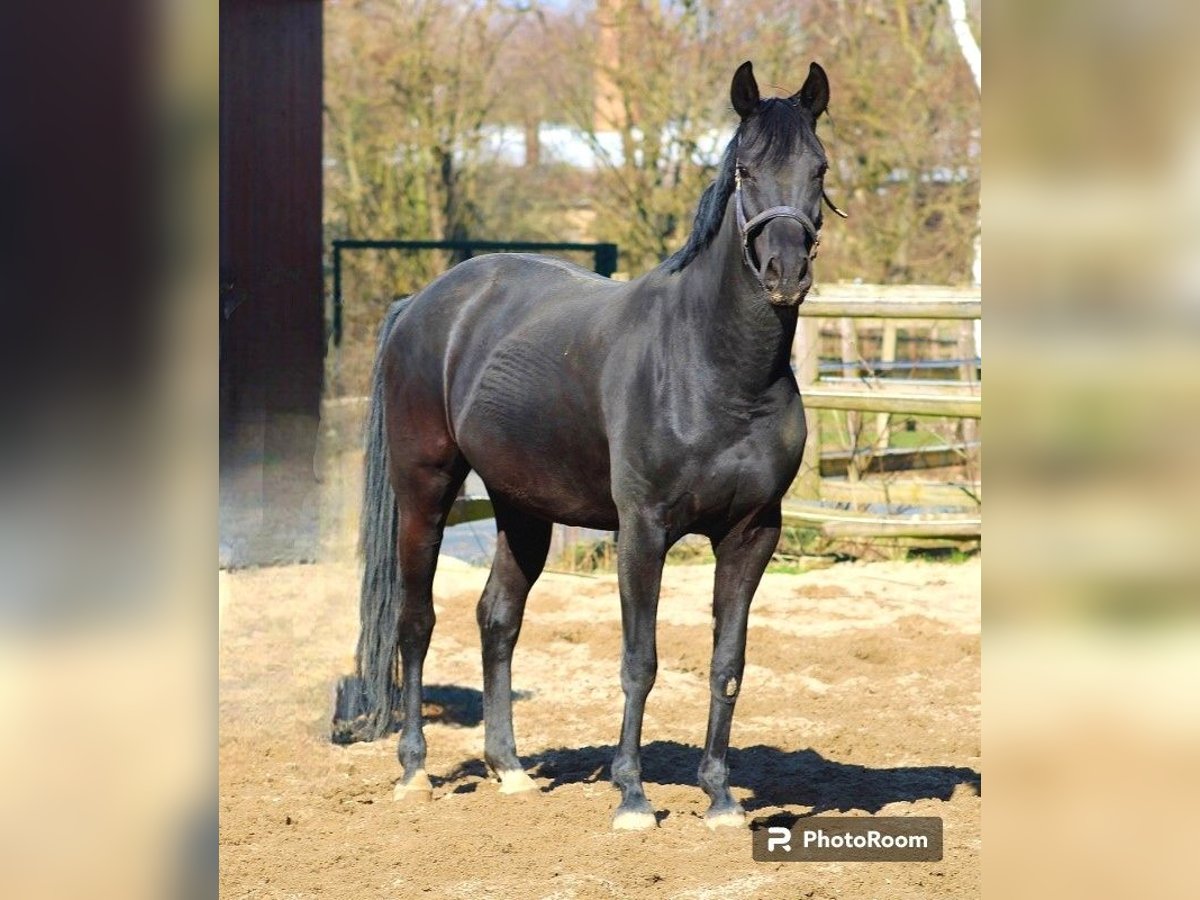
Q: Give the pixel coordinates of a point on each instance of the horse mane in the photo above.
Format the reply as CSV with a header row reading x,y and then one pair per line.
x,y
779,125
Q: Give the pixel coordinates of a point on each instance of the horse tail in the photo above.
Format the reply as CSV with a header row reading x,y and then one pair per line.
x,y
379,638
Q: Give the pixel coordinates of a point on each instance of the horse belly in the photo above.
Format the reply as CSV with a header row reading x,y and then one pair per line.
x,y
567,500
531,433
545,475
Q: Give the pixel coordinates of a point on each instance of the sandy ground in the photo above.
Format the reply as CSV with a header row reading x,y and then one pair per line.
x,y
861,695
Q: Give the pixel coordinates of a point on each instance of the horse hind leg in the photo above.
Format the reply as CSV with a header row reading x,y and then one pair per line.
x,y
522,543
424,496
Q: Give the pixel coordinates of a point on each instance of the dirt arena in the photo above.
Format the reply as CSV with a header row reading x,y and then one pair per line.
x,y
861,695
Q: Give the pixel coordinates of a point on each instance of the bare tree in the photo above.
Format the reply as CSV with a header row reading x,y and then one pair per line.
x,y
410,87
649,109
973,57
415,89
904,118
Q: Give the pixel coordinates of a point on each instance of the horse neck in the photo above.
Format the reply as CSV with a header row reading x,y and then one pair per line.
x,y
741,332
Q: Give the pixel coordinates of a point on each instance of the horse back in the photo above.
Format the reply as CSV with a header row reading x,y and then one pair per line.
x,y
510,349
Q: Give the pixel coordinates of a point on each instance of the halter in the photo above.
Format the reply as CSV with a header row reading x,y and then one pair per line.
x,y
748,227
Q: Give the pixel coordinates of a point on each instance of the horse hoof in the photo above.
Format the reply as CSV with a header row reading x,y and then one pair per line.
x,y
633,820
726,818
418,789
516,781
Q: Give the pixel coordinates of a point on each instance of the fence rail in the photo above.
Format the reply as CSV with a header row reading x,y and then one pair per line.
x,y
906,492
837,463
845,523
902,399
899,301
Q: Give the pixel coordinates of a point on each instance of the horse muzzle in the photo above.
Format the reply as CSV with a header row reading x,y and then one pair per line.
x,y
781,256
786,284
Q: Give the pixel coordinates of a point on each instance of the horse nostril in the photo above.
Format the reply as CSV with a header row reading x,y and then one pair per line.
x,y
772,274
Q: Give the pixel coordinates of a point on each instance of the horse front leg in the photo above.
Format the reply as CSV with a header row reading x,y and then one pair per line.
x,y
742,557
641,550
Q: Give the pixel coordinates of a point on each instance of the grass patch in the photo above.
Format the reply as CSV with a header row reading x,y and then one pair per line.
x,y
587,557
794,565
952,555
691,550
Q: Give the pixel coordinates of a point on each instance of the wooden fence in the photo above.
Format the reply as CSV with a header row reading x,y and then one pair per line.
x,y
854,504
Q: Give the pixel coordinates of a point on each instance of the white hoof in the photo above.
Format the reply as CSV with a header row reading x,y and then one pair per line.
x,y
633,821
734,818
418,788
515,781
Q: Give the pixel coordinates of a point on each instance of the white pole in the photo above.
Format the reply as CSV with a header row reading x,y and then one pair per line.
x,y
967,44
969,48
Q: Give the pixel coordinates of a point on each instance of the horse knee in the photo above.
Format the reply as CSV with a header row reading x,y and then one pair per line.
x,y
638,673
499,621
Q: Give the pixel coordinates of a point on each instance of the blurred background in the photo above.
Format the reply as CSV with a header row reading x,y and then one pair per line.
x,y
1092,585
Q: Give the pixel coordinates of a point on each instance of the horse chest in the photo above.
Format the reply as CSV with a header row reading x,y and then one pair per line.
x,y
744,476
728,468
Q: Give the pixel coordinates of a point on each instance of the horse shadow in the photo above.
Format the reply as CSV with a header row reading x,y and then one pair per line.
x,y
446,704
775,777
452,704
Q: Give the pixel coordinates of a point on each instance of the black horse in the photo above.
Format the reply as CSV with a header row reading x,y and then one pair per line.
x,y
660,407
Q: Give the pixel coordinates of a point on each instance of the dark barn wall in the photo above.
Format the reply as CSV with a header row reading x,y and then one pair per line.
x,y
271,284
272,328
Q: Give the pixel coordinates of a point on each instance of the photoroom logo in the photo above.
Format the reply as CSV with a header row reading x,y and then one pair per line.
x,y
851,839
779,839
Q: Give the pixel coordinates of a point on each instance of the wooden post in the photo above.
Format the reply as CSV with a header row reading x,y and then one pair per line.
x,y
849,347
967,428
887,354
850,356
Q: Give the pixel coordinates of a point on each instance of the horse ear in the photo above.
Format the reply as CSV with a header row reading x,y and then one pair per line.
x,y
744,90
814,96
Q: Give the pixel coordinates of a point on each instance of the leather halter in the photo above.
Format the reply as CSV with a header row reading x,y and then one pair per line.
x,y
748,227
